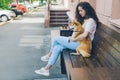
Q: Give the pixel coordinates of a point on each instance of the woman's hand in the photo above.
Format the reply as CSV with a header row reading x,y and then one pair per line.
x,y
72,39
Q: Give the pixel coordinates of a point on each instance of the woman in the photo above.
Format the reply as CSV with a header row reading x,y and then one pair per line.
x,y
86,15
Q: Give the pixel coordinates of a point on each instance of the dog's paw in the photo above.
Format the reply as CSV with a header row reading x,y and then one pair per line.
x,y
84,54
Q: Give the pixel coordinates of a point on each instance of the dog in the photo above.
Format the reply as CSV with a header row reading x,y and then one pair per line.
x,y
85,46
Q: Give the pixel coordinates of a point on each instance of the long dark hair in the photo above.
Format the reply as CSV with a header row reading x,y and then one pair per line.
x,y
90,12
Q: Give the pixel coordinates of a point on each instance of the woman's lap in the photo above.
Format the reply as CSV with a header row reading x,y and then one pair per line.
x,y
64,41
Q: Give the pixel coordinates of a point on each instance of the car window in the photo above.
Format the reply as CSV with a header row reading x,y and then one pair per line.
x,y
13,6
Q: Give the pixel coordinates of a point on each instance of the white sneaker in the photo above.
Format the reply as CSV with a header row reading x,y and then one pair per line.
x,y
45,58
43,72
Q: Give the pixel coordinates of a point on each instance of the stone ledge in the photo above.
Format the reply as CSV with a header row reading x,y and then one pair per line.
x,y
115,22
54,33
53,79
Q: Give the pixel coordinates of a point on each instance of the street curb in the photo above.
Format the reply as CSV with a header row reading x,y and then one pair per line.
x,y
3,23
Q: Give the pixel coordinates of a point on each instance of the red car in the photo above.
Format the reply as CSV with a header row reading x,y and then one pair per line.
x,y
19,7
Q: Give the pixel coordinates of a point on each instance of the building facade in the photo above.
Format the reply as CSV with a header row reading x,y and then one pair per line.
x,y
107,10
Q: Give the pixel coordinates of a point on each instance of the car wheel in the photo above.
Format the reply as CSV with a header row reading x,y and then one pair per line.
x,y
4,18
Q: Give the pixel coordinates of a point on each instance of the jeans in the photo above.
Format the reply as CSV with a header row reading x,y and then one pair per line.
x,y
59,43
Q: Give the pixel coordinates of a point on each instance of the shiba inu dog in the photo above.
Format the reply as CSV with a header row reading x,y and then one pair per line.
x,y
85,45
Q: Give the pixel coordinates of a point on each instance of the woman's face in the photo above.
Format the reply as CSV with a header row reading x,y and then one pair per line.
x,y
82,12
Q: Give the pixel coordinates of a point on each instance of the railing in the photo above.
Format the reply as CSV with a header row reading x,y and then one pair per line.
x,y
47,14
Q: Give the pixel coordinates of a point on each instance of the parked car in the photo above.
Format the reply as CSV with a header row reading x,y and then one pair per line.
x,y
6,15
28,6
17,12
36,4
19,7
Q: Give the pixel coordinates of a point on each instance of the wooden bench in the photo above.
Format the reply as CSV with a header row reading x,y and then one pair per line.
x,y
104,63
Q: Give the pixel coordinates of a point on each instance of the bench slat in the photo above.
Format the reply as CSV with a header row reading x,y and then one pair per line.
x,y
109,58
110,31
111,40
75,61
92,63
101,73
101,53
79,61
112,55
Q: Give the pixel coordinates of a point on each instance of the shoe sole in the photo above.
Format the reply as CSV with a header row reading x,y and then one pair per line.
x,y
41,73
44,60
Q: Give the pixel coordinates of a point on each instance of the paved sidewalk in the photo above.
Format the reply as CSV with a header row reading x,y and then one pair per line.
x,y
22,43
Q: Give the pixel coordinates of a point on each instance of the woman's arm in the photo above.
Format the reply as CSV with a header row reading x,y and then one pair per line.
x,y
89,29
82,36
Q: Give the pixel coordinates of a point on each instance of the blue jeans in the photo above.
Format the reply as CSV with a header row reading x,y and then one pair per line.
x,y
59,43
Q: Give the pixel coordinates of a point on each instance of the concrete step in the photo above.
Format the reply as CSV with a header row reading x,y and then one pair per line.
x,y
53,79
55,13
58,13
55,20
58,21
62,10
58,24
59,16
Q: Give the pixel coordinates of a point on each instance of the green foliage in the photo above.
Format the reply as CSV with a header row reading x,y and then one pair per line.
x,y
4,4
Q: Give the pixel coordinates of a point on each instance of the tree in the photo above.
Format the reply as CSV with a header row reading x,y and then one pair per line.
x,y
41,1
4,4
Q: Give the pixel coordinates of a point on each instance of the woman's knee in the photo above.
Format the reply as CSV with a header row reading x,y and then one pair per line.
x,y
61,39
56,38
58,48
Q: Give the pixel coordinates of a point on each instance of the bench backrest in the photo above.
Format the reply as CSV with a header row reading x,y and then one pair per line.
x,y
106,45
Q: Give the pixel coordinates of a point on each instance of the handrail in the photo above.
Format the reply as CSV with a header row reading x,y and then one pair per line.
x,y
47,15
49,2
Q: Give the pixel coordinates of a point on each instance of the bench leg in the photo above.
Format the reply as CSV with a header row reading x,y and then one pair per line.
x,y
62,63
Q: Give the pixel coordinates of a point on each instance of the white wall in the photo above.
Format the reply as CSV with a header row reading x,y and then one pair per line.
x,y
104,10
66,3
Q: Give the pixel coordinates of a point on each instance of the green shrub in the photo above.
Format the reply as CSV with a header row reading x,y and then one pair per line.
x,y
4,4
